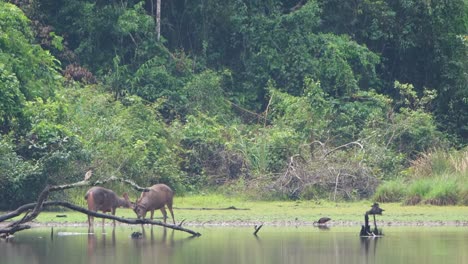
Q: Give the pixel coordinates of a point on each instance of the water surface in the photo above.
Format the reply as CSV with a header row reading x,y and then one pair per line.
x,y
237,245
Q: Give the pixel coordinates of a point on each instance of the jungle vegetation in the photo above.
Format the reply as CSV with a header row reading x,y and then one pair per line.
x,y
266,99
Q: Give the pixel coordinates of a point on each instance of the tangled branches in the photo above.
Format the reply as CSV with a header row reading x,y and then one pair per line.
x,y
336,172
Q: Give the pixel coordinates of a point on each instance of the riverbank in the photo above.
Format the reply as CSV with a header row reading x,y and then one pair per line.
x,y
216,210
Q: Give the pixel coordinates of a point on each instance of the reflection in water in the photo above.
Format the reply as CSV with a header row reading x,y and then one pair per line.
x,y
156,243
9,252
366,243
235,245
91,244
323,227
104,250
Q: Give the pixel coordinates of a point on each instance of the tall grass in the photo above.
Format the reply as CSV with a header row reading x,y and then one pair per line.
x,y
390,191
417,191
439,178
443,192
440,162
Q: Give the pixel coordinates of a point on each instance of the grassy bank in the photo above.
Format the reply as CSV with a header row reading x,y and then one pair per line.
x,y
286,213
435,178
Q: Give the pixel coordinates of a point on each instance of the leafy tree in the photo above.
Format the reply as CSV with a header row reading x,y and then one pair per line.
x,y
420,42
27,71
20,180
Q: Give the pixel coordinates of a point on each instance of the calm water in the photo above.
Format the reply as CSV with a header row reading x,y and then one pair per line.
x,y
237,245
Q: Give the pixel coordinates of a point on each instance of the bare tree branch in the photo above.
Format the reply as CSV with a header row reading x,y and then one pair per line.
x,y
11,230
101,182
344,146
297,6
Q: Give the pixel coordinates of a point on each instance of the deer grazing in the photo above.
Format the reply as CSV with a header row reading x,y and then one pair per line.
x,y
157,197
105,200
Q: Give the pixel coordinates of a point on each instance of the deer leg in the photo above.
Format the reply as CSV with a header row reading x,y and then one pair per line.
x,y
169,206
90,218
152,214
113,213
164,213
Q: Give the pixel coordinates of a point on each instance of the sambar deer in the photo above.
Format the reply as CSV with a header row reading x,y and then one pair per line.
x,y
105,200
158,196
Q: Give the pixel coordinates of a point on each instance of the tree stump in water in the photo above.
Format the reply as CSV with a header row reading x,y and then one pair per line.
x,y
366,229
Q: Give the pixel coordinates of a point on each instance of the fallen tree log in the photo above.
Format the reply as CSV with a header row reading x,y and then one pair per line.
x,y
37,208
10,230
71,206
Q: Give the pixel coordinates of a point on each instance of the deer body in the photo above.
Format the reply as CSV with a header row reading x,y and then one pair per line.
x,y
156,198
105,200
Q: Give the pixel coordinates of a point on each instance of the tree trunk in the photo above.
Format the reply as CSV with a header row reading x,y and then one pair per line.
x,y
158,19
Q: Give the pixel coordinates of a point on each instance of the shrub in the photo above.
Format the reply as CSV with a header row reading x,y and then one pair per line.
x,y
390,191
442,193
20,181
417,191
463,194
315,192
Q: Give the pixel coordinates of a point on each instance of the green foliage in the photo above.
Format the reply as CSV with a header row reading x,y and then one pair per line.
x,y
20,181
206,159
438,177
396,137
129,141
280,144
308,115
390,192
319,100
444,192
204,93
281,49
135,21
26,70
414,132
418,190
464,194
418,43
11,98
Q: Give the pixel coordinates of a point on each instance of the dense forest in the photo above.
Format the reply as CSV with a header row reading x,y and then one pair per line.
x,y
267,99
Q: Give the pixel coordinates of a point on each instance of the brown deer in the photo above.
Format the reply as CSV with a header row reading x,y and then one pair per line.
x,y
105,200
156,198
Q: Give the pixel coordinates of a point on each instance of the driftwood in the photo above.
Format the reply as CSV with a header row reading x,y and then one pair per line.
x,y
257,228
366,229
33,209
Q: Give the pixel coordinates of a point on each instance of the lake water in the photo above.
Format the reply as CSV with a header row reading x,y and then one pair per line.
x,y
237,245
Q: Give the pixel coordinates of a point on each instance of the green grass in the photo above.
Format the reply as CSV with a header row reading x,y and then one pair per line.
x,y
391,191
444,192
281,212
418,190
